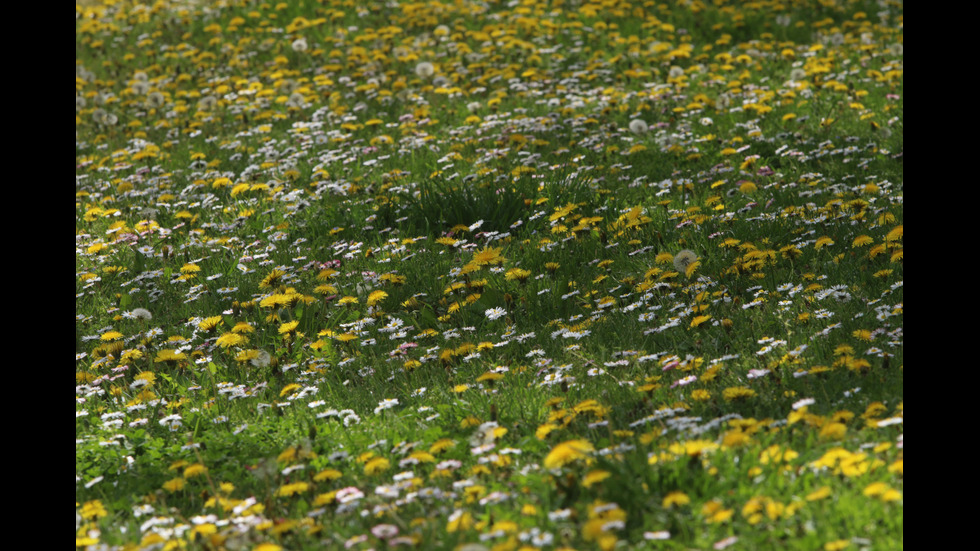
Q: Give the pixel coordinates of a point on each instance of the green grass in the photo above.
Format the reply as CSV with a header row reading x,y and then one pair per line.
x,y
324,301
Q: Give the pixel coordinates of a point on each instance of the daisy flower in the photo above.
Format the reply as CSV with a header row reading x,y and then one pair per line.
x,y
495,313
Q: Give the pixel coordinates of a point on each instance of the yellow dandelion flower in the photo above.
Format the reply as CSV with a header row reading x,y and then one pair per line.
x,y
594,477
715,513
148,376
736,438
692,448
93,509
273,279
423,456
229,339
376,465
288,327
289,454
327,474
287,490
174,485
376,297
676,499
394,279
325,289
664,258
896,234
488,256
891,495
823,242
517,274
876,489
246,355
698,320
196,469
210,323
821,493
737,393
567,452
776,454
862,334
205,529
468,422
861,241
273,301
490,376
833,431
109,336
442,445
700,395
544,430
459,520
169,355
877,250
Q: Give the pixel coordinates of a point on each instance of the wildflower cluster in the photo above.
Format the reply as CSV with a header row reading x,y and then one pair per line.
x,y
526,275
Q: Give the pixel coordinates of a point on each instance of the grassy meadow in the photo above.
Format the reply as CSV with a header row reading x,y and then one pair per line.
x,y
489,276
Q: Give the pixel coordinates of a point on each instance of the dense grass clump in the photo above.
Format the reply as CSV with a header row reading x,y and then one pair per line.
x,y
489,275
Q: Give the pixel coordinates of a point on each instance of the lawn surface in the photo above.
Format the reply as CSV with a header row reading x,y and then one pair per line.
x,y
489,275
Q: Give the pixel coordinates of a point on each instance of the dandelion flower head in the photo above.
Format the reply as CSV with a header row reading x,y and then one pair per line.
x,y
638,126
684,259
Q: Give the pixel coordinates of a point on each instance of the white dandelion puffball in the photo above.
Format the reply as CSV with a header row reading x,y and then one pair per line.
x,y
684,259
638,126
425,69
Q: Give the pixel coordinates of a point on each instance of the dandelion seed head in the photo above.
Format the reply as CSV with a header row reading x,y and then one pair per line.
x,y
262,359
638,126
425,69
684,259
